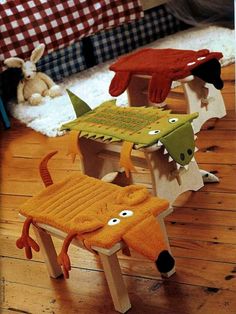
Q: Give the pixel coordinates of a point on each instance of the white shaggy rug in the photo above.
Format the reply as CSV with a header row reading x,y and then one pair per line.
x,y
92,85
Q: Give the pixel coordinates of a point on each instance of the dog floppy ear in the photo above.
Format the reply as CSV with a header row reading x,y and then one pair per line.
x,y
85,223
132,195
96,219
14,62
37,53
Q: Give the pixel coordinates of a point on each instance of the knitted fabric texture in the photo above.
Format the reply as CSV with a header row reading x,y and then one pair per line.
x,y
134,124
83,204
99,214
165,66
137,125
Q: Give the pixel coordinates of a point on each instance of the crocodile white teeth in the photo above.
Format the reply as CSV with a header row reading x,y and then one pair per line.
x,y
186,167
165,151
193,159
159,144
195,150
178,166
170,159
195,137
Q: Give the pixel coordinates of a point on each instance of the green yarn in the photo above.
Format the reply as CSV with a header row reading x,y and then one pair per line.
x,y
139,125
80,107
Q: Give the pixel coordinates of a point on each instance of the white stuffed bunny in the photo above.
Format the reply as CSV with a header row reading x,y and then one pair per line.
x,y
35,85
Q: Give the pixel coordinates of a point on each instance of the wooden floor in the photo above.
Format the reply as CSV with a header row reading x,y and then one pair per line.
x,y
202,233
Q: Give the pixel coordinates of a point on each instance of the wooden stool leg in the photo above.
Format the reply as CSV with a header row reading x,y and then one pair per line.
x,y
49,253
137,91
164,179
215,108
94,165
115,282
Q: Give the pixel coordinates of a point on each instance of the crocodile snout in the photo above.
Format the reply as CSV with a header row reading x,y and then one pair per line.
x,y
187,154
180,144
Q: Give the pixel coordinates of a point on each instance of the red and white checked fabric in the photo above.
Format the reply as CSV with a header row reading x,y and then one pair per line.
x,y
57,23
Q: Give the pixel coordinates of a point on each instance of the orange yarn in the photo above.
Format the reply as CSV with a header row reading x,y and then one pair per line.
x,y
99,214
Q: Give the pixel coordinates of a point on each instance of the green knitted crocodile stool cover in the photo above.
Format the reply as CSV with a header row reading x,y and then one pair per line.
x,y
138,126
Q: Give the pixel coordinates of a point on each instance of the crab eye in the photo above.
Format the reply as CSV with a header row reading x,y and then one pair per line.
x,y
113,221
126,213
153,132
173,120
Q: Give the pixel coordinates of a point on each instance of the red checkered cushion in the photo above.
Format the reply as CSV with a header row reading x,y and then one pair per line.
x,y
25,24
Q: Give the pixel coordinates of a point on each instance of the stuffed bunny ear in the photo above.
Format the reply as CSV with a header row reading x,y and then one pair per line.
x,y
37,53
14,62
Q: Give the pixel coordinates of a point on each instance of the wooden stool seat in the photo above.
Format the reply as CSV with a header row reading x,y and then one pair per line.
x,y
199,96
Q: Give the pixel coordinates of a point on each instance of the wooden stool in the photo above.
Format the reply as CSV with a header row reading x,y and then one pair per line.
x,y
108,258
200,97
153,168
101,217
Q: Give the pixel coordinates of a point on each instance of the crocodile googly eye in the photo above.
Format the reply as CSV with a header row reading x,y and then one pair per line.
x,y
113,221
173,120
126,213
154,132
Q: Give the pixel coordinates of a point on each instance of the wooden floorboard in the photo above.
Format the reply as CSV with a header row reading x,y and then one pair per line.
x,y
202,231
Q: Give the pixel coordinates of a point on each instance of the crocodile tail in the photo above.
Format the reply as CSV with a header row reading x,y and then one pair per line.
x,y
43,169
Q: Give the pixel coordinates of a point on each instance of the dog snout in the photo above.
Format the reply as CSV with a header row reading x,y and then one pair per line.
x,y
165,262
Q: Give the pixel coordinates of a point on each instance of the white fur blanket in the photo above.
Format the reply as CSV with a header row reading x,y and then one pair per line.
x,y
92,85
